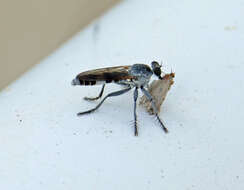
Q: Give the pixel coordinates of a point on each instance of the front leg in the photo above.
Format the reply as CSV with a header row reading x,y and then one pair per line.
x,y
149,97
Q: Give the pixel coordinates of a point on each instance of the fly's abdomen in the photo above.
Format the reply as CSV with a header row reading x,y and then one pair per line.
x,y
77,81
103,75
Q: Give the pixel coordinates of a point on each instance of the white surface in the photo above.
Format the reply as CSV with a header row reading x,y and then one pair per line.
x,y
44,145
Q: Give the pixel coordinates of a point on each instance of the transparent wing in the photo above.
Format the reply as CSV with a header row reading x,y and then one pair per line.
x,y
106,74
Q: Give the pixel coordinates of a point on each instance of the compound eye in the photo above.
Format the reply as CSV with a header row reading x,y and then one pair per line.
x,y
155,64
157,71
156,68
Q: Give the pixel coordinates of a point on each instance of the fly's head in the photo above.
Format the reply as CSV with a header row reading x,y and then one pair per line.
x,y
156,69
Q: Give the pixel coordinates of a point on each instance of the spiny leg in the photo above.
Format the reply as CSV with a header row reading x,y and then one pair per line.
x,y
117,93
95,98
135,116
149,97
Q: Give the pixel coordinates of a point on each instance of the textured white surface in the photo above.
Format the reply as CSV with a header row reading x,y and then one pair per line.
x,y
45,146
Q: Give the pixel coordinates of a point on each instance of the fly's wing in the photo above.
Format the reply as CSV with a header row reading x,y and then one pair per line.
x,y
107,75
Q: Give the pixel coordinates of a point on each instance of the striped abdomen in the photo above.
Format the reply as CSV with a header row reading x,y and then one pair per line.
x,y
104,75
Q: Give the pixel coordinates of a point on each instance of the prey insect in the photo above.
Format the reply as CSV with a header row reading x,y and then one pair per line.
x,y
135,77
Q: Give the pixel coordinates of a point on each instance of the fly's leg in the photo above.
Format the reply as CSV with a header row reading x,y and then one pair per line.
x,y
135,116
117,93
149,97
95,98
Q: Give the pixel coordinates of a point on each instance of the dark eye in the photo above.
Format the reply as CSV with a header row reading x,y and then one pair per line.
x,y
157,71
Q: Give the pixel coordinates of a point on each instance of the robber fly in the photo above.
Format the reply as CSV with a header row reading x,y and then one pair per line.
x,y
130,76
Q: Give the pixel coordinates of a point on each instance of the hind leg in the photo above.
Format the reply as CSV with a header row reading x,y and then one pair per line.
x,y
95,98
117,93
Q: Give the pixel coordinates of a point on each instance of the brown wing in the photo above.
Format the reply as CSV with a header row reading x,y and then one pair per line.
x,y
107,75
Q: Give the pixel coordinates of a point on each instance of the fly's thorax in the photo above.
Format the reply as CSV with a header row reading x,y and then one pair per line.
x,y
142,74
141,70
